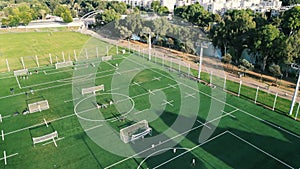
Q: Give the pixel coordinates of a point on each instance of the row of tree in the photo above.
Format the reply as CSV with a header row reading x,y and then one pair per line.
x,y
23,13
270,40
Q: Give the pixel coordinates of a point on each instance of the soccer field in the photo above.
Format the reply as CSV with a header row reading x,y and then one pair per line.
x,y
189,120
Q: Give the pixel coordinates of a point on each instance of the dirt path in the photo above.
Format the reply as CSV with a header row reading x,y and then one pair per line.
x,y
210,64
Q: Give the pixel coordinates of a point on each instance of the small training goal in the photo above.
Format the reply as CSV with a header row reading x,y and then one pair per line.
x,y
106,58
21,72
63,64
135,131
38,106
44,138
93,89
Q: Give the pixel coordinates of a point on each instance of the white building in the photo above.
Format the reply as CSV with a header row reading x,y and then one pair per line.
x,y
220,6
141,3
214,6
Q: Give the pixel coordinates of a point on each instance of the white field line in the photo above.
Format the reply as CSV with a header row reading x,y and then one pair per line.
x,y
66,101
6,116
203,124
190,95
136,83
172,86
259,149
149,91
18,82
111,65
60,138
25,128
77,79
165,102
9,156
217,136
68,79
113,89
156,78
156,152
54,86
138,112
167,140
229,114
243,111
8,77
100,125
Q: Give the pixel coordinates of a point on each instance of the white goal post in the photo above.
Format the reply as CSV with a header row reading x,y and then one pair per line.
x,y
106,58
63,64
21,72
44,138
93,89
38,106
135,131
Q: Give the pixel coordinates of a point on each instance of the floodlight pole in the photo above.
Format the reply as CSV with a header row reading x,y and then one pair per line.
x,y
224,87
50,58
97,52
149,47
23,64
63,55
240,88
7,64
297,111
296,91
256,95
200,62
274,104
37,60
200,59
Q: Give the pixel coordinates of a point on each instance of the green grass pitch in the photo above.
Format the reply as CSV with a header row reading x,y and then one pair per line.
x,y
247,135
250,137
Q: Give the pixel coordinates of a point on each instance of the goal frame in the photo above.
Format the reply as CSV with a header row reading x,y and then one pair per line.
x,y
59,65
129,134
92,89
38,106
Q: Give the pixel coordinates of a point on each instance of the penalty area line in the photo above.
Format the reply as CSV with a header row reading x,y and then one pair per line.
x,y
211,139
259,149
18,82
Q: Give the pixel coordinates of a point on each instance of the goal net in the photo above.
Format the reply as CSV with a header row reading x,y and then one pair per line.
x,y
135,131
21,72
38,106
93,89
63,64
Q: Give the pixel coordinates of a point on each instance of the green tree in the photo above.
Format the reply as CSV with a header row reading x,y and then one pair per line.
x,y
155,5
195,14
119,7
67,16
109,15
162,10
264,43
233,32
290,2
64,12
291,20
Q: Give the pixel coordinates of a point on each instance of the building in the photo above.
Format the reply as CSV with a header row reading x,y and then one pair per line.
x,y
214,6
